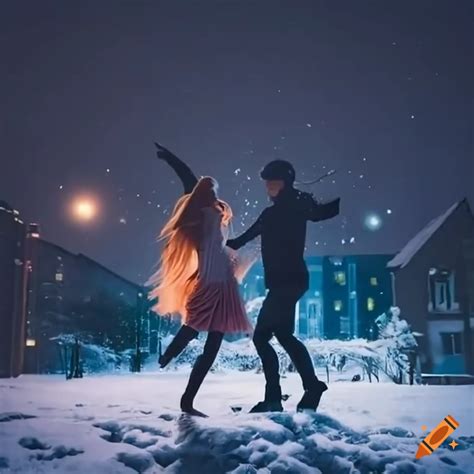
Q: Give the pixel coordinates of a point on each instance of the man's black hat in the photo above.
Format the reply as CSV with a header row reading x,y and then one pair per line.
x,y
279,169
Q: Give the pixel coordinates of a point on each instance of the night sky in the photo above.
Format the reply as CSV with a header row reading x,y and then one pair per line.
x,y
381,91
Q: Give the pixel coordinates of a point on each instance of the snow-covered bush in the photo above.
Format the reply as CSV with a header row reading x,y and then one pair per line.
x,y
93,358
396,344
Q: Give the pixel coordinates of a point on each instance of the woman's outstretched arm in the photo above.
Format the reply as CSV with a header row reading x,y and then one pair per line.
x,y
184,172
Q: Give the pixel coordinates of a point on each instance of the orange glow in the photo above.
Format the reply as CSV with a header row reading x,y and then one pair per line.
x,y
84,208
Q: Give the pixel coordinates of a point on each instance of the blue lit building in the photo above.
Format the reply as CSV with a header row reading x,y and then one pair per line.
x,y
345,295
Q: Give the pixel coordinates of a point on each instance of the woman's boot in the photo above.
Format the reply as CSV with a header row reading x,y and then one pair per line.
x,y
183,337
200,369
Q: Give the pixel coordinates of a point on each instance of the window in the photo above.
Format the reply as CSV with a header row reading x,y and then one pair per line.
x,y
452,343
373,281
344,325
370,304
441,291
340,278
337,305
312,320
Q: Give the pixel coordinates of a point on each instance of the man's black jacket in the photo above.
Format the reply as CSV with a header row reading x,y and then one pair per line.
x,y
282,228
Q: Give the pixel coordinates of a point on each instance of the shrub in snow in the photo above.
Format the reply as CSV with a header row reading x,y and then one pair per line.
x,y
93,358
397,344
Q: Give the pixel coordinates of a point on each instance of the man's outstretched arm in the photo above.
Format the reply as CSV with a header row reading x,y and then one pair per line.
x,y
184,172
322,211
253,231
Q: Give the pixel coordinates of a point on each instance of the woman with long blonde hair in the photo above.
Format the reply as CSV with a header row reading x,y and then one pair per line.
x,y
197,278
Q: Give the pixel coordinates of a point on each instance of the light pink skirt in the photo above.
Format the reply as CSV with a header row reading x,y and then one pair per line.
x,y
217,306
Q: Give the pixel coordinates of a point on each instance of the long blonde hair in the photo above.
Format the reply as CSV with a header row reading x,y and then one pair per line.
x,y
176,276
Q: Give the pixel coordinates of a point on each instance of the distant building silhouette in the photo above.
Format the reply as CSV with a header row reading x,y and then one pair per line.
x,y
48,291
13,277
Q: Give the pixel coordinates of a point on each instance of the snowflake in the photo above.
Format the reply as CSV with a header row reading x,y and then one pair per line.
x,y
308,125
237,171
123,220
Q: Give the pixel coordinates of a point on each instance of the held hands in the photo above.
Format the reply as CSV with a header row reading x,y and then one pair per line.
x,y
232,244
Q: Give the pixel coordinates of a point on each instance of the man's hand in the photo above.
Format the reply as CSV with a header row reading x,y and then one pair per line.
x,y
163,153
232,244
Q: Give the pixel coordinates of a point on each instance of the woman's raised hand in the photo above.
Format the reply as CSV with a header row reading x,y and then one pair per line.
x,y
162,152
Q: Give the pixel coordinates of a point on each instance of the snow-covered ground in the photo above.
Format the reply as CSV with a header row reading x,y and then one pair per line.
x,y
129,423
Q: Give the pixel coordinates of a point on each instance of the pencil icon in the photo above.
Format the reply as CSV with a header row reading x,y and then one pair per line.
x,y
436,437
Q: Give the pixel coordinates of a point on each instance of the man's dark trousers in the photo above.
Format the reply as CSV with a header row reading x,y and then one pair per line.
x,y
277,318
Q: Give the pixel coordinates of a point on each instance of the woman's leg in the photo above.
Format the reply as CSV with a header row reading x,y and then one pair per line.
x,y
183,337
200,369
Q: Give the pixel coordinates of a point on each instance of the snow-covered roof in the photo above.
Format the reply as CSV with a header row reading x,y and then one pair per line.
x,y
416,243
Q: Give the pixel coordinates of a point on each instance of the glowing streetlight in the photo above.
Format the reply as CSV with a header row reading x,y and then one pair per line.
x,y
373,222
84,209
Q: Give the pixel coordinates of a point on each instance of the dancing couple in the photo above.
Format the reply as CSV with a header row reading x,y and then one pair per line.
x,y
199,272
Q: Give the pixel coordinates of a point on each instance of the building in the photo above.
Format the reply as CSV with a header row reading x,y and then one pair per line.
x,y
72,294
51,292
353,291
433,284
13,274
345,295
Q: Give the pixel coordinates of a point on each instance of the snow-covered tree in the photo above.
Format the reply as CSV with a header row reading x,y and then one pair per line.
x,y
398,343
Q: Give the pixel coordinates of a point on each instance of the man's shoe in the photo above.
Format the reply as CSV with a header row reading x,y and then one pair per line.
x,y
266,406
311,398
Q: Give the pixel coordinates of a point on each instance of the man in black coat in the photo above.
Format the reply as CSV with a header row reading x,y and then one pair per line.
x,y
282,228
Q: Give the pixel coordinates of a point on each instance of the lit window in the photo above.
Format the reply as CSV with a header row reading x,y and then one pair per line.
x,y
31,342
59,277
337,305
340,278
374,281
441,288
370,304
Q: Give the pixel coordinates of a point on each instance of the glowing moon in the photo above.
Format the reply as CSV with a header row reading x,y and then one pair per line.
x,y
373,222
84,209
